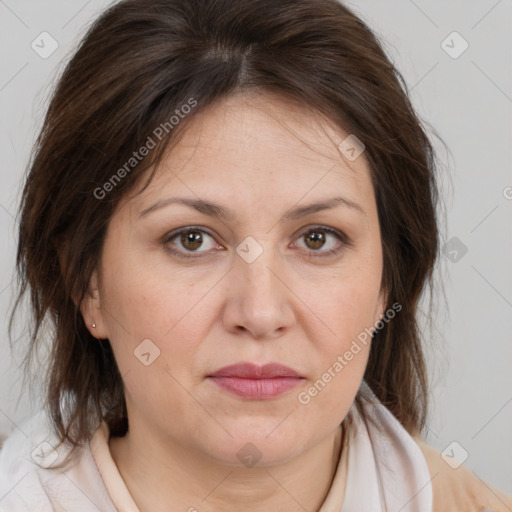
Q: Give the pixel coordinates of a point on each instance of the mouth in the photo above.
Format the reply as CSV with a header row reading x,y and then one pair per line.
x,y
254,382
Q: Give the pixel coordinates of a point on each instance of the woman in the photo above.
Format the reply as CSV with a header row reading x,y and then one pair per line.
x,y
230,218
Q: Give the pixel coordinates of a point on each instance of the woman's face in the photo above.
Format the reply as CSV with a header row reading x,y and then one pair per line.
x,y
258,279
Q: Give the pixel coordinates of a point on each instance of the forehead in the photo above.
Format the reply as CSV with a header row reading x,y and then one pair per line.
x,y
262,148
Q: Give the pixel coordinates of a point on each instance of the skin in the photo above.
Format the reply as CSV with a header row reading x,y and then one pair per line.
x,y
260,156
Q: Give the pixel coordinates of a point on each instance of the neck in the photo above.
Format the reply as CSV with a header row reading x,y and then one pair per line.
x,y
175,479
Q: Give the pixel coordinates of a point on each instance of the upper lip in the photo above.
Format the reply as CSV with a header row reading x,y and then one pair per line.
x,y
254,371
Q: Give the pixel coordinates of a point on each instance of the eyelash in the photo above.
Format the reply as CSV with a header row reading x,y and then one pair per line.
x,y
345,241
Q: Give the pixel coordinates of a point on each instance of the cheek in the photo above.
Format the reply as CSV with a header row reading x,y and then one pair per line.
x,y
145,299
341,352
145,302
345,307
155,334
342,339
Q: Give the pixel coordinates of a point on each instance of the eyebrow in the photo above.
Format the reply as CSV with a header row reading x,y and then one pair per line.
x,y
223,213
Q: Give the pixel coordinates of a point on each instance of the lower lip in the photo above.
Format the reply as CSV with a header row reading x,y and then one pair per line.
x,y
256,389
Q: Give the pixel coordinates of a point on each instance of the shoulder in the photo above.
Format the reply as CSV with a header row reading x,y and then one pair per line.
x,y
28,480
19,449
18,477
460,489
24,458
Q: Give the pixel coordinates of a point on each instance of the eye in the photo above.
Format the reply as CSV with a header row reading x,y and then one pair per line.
x,y
318,238
190,239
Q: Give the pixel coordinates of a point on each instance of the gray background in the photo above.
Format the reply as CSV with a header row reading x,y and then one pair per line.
x,y
467,99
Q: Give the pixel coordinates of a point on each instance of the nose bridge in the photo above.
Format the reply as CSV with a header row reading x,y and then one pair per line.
x,y
260,303
257,264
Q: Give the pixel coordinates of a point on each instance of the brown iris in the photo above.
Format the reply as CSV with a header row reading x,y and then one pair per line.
x,y
194,238
317,239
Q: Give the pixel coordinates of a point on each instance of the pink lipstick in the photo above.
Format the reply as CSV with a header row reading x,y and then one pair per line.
x,y
254,382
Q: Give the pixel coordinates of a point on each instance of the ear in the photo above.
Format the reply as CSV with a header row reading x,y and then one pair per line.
x,y
91,309
91,304
382,304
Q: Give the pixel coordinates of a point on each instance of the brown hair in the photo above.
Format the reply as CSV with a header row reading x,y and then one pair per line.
x,y
137,66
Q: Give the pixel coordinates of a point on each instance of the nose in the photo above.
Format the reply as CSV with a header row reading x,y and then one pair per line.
x,y
259,299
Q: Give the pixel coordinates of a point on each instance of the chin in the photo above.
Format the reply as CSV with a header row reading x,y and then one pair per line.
x,y
260,443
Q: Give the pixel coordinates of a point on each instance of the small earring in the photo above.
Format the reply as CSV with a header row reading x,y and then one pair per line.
x,y
93,326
